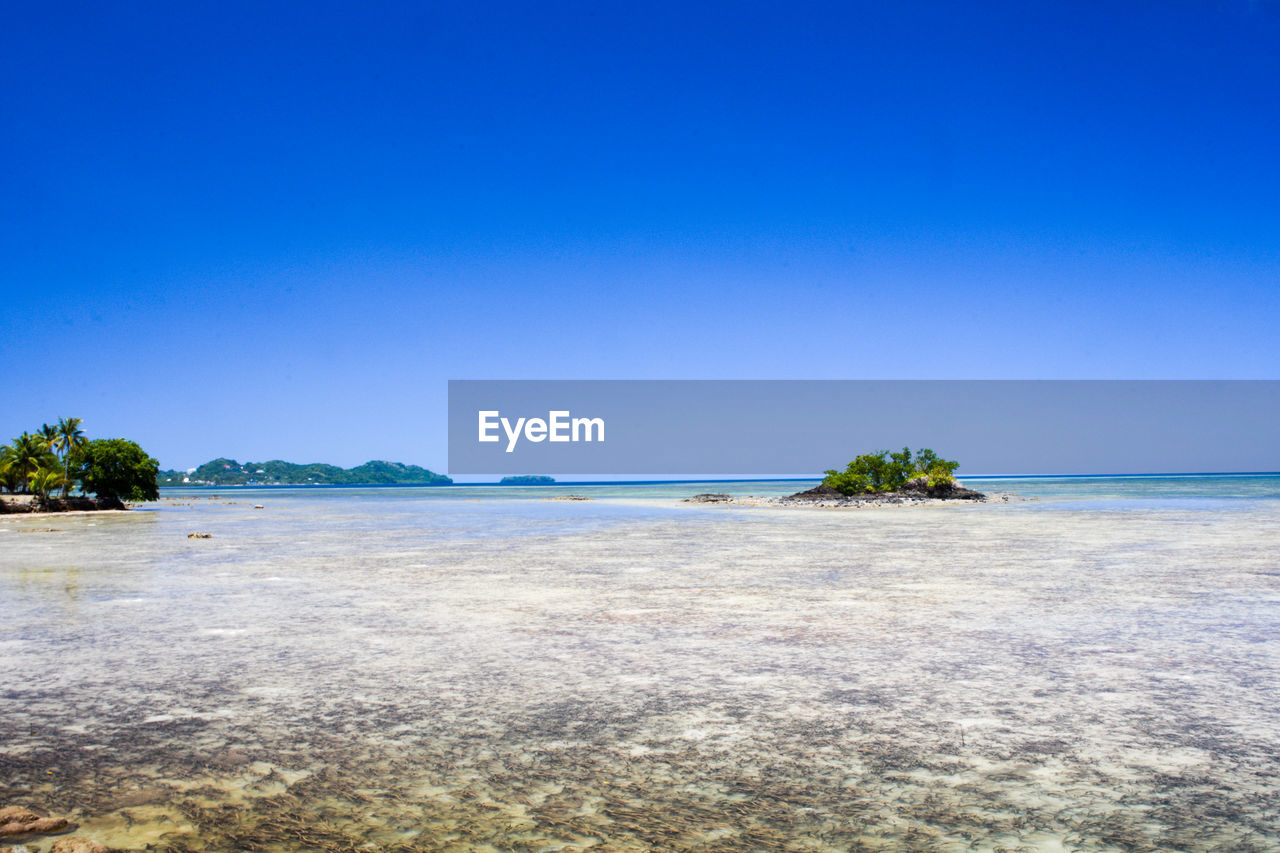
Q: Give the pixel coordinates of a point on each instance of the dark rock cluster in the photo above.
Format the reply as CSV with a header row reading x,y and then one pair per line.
x,y
913,490
59,505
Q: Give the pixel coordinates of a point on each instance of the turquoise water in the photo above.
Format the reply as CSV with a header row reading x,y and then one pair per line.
x,y
481,668
1171,487
478,511
1102,488
1138,486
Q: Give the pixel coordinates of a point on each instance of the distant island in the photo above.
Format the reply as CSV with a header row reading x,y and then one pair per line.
x,y
229,472
527,480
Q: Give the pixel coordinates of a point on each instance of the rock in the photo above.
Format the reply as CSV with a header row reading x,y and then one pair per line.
x,y
29,503
16,503
709,499
199,535
954,491
17,820
78,845
916,485
819,493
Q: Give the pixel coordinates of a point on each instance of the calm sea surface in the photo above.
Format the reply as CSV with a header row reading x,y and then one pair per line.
x,y
481,668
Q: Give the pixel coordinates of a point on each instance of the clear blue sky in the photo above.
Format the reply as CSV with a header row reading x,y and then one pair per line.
x,y
276,230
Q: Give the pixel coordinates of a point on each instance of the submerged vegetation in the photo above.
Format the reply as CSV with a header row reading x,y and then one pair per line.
x,y
59,458
776,682
873,473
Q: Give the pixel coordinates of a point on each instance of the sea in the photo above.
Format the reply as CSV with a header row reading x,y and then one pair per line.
x,y
1091,665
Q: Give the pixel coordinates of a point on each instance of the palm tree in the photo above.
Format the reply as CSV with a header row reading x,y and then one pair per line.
x,y
27,453
68,439
42,482
8,473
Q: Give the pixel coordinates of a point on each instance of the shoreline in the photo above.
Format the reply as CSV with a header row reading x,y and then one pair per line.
x,y
25,506
825,498
64,513
859,503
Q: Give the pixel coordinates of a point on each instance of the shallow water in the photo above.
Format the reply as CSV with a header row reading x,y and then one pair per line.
x,y
425,670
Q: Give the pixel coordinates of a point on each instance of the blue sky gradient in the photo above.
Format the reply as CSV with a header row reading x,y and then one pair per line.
x,y
276,232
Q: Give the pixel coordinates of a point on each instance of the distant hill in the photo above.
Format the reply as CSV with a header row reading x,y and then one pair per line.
x,y
229,472
527,480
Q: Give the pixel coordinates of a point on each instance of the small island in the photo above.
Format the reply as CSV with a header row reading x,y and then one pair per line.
x,y
892,478
39,471
527,480
875,479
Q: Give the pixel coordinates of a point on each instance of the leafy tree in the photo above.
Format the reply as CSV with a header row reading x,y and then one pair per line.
x,y
866,473
899,469
116,468
68,440
926,459
887,472
941,473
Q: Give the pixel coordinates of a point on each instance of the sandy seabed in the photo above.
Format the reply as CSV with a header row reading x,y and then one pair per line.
x,y
569,676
